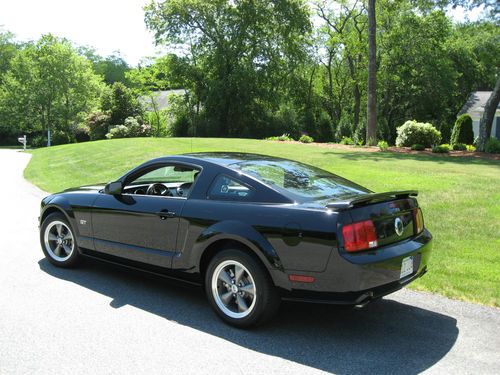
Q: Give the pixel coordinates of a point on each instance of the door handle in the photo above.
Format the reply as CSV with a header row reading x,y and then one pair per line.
x,y
164,214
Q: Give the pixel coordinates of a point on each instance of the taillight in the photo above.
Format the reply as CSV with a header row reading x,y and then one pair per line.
x,y
359,236
419,220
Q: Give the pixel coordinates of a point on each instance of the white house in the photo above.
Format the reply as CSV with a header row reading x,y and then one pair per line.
x,y
474,107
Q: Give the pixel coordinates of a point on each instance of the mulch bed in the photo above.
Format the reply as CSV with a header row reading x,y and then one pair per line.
x,y
469,154
403,150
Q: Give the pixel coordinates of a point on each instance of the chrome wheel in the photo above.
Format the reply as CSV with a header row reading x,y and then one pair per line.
x,y
59,241
233,289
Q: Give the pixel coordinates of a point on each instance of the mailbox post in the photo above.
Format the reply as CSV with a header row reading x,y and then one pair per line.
x,y
23,141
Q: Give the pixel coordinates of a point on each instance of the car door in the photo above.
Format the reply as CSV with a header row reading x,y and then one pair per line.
x,y
138,227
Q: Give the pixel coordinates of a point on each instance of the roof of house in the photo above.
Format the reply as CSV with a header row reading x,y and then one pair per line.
x,y
475,103
160,98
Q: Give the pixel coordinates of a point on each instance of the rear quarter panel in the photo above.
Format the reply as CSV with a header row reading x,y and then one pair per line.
x,y
288,237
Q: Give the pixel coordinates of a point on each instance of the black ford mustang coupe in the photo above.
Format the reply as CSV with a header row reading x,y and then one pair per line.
x,y
252,229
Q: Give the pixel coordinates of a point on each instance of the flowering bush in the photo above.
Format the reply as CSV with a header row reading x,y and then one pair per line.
x,y
412,132
131,128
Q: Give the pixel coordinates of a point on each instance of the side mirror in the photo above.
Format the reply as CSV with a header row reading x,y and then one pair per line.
x,y
114,188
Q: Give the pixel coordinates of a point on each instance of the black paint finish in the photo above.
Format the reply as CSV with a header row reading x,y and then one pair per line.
x,y
176,236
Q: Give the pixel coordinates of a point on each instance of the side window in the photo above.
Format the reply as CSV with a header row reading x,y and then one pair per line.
x,y
227,188
167,174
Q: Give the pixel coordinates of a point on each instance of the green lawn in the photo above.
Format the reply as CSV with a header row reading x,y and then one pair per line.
x,y
460,197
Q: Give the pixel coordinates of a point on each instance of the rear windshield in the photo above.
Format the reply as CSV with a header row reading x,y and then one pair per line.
x,y
300,179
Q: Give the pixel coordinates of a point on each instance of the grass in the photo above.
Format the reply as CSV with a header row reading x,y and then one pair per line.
x,y
11,147
460,197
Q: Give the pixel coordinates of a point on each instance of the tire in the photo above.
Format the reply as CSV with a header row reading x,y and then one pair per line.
x,y
57,239
245,299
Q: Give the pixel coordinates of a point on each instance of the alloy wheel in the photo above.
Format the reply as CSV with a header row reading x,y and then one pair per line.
x,y
59,241
233,289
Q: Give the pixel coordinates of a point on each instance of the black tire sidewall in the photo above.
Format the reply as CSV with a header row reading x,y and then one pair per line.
x,y
266,294
75,257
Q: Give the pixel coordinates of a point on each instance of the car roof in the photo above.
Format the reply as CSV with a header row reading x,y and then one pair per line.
x,y
223,158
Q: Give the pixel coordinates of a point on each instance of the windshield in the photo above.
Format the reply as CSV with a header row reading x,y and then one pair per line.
x,y
300,179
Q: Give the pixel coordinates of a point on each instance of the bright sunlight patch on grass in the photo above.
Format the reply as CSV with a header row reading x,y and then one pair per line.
x,y
460,197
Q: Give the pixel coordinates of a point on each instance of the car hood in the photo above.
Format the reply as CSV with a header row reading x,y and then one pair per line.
x,y
86,188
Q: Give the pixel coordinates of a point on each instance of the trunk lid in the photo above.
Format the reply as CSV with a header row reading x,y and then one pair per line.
x,y
392,214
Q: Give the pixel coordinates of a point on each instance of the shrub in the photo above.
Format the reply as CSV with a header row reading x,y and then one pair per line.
x,y
412,132
471,148
81,132
137,128
98,124
132,127
180,126
346,141
492,146
38,141
445,128
59,137
383,145
119,131
282,138
441,149
462,131
286,119
417,147
285,137
306,139
158,121
459,147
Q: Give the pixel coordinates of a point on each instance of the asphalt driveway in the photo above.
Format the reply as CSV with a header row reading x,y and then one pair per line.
x,y
102,319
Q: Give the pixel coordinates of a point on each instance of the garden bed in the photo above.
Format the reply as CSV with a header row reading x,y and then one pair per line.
x,y
402,150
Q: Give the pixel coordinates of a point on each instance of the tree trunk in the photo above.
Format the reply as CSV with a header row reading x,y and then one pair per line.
x,y
486,122
356,92
371,126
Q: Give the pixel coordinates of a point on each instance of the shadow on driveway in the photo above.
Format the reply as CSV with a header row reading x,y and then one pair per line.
x,y
385,337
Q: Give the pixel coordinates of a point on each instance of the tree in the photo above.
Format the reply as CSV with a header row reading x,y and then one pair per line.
x,y
8,50
48,87
242,54
419,70
112,68
371,115
120,102
342,37
486,121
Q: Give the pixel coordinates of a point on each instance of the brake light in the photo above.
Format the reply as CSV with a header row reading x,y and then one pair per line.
x,y
359,236
419,220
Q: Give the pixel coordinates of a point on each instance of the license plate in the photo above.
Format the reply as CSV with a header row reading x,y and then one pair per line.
x,y
406,267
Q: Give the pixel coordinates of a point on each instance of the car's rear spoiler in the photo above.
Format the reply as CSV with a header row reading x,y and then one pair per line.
x,y
370,198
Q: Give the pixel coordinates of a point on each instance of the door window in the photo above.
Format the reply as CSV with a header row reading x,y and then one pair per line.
x,y
166,180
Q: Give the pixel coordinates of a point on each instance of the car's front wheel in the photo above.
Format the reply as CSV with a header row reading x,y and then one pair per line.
x,y
58,241
240,289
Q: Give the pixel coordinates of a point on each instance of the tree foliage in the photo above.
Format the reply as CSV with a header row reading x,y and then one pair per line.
x,y
112,68
239,56
48,86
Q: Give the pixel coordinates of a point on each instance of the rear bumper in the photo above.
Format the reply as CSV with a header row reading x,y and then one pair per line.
x,y
354,279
